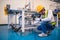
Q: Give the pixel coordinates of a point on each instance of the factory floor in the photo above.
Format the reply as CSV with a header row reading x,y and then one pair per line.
x,y
6,34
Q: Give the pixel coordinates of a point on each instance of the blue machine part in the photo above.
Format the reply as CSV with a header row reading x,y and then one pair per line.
x,y
20,19
56,10
14,11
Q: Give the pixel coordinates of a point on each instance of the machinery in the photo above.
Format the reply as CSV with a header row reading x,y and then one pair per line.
x,y
26,19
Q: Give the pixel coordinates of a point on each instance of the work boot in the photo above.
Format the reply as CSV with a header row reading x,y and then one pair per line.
x,y
43,34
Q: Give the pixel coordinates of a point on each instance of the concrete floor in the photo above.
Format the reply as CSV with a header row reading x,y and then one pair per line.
x,y
6,34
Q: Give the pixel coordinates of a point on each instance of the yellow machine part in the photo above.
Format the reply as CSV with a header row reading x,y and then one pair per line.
x,y
5,11
58,14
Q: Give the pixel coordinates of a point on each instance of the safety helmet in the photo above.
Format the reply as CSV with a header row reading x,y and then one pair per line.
x,y
39,8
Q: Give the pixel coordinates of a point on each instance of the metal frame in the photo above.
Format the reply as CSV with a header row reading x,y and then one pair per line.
x,y
23,21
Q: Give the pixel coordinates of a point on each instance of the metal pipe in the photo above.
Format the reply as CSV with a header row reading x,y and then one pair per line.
x,y
23,21
8,22
57,20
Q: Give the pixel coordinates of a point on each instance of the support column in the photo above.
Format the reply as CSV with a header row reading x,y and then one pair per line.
x,y
23,21
57,20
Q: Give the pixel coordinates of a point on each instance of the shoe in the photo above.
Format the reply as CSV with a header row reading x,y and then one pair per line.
x,y
48,32
42,35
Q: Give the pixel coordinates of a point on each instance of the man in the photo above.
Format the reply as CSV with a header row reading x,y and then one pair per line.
x,y
47,21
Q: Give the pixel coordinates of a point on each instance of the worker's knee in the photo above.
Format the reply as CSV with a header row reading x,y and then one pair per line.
x,y
44,22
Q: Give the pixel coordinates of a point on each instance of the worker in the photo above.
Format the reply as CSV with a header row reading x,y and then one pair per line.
x,y
47,21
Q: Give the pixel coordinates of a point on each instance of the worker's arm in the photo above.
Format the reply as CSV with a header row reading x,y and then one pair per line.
x,y
49,16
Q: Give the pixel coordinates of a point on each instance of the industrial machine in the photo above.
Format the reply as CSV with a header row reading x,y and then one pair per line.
x,y
26,19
